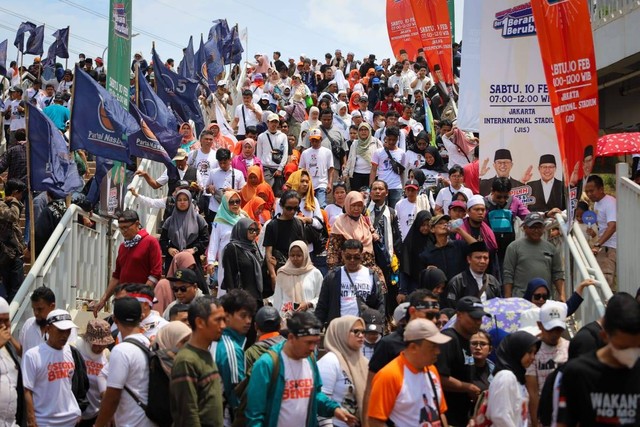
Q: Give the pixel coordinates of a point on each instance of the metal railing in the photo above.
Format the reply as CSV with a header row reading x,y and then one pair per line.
x,y
581,264
628,226
605,11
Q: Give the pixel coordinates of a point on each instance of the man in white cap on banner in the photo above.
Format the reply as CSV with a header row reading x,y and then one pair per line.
x,y
47,371
11,398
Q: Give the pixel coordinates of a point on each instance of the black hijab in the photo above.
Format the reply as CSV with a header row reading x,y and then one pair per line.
x,y
510,352
240,240
438,164
431,278
413,245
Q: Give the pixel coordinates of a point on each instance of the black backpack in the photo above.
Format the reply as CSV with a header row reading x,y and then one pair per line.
x,y
79,380
157,408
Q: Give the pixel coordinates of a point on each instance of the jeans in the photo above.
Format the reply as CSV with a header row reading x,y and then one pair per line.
x,y
12,276
394,197
321,195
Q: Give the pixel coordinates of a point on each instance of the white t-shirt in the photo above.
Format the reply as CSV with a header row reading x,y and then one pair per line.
x,y
164,178
152,324
298,386
204,164
382,133
252,120
317,162
336,384
406,214
446,195
47,372
31,335
129,366
264,152
414,160
385,170
8,387
333,211
548,358
606,212
233,178
456,157
508,403
18,119
363,287
94,363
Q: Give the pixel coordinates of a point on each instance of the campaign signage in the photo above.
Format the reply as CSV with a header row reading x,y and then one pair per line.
x,y
402,29
518,139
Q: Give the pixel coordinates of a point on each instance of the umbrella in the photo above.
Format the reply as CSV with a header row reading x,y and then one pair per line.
x,y
618,144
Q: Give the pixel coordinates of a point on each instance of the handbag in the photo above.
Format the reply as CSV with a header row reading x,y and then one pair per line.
x,y
276,155
395,165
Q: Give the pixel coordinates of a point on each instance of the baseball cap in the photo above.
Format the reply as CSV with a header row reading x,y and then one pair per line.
x,y
127,309
373,320
267,317
533,218
181,154
98,332
473,306
457,204
412,183
315,133
273,117
185,275
16,89
400,312
61,319
436,219
364,98
423,329
553,314
222,82
379,68
375,81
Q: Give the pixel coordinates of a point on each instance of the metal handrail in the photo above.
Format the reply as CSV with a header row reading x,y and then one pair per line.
x,y
605,11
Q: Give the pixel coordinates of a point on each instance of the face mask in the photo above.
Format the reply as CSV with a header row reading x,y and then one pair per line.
x,y
628,357
381,124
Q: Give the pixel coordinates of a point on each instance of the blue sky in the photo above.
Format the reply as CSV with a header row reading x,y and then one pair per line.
x,y
293,27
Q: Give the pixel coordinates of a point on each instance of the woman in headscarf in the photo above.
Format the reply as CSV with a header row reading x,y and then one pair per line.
x,y
312,122
354,78
416,152
354,101
254,178
164,294
228,215
220,140
538,292
359,158
242,260
417,238
342,119
340,80
184,230
247,158
189,142
262,63
265,192
255,209
344,368
171,338
298,282
353,224
508,401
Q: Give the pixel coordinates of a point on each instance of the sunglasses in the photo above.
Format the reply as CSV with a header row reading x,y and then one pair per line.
x,y
182,289
253,230
478,344
357,332
234,202
537,297
352,257
291,208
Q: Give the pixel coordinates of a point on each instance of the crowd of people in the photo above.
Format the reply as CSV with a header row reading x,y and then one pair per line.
x,y
328,264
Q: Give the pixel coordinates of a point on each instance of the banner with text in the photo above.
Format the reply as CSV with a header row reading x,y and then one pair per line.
x,y
516,124
569,60
434,27
402,29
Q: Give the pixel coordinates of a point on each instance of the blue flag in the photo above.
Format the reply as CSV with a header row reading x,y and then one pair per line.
x,y
35,42
145,143
53,168
179,93
209,63
100,124
3,58
103,166
188,62
233,50
61,42
25,27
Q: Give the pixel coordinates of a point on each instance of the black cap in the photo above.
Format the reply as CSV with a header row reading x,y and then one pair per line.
x,y
127,309
185,275
15,89
58,97
547,158
473,306
267,318
477,247
223,154
247,92
128,215
372,57
502,154
373,320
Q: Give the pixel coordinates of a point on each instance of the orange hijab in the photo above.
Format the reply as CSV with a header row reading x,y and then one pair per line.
x,y
353,101
270,200
248,191
354,78
255,204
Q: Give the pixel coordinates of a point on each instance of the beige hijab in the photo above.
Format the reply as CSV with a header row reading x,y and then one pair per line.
x,y
354,228
167,341
352,361
290,278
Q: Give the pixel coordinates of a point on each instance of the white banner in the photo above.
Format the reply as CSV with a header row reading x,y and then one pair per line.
x,y
518,138
469,102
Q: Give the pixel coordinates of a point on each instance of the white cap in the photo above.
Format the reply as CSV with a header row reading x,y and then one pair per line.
x,y
61,319
4,306
222,82
315,133
273,116
553,314
400,312
474,200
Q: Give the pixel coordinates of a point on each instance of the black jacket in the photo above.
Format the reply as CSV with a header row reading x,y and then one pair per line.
x,y
464,284
328,307
556,198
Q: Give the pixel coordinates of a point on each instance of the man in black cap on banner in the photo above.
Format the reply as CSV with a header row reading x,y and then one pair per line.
x,y
502,163
547,191
587,168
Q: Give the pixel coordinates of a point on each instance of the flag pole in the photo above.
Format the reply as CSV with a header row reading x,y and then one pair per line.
x,y
32,222
137,68
67,200
20,68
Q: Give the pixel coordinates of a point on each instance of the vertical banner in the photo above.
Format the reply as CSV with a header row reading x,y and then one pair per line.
x,y
434,28
469,100
402,29
568,56
451,4
516,123
112,189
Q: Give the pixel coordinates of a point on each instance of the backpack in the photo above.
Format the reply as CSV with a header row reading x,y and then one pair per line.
x,y
501,220
79,380
479,417
157,408
315,237
239,419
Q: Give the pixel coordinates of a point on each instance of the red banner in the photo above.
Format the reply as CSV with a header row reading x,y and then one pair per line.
x,y
434,27
569,62
403,33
